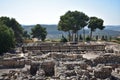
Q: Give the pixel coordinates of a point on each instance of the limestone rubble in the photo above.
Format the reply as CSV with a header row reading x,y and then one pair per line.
x,y
35,65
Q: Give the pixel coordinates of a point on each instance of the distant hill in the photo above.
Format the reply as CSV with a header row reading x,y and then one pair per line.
x,y
54,33
114,28
51,29
48,27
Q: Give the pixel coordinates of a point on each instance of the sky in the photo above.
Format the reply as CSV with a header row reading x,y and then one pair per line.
x,y
30,12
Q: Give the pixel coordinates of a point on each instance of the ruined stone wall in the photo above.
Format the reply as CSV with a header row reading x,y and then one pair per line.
x,y
104,59
64,48
11,64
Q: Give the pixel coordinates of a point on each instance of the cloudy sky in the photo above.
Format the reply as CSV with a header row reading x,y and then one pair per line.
x,y
49,11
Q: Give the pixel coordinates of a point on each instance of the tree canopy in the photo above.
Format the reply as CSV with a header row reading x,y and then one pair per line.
x,y
39,32
95,23
26,35
7,40
15,26
72,21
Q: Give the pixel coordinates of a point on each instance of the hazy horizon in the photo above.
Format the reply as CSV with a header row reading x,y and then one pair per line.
x,y
57,24
30,12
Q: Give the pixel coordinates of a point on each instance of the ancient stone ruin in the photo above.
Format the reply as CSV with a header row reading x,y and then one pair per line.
x,y
62,65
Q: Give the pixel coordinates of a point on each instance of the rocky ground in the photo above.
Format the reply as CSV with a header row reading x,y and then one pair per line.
x,y
87,65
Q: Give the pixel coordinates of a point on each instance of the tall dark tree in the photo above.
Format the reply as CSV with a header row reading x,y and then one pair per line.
x,y
106,38
39,32
103,37
26,35
95,23
15,26
96,37
80,37
7,40
72,22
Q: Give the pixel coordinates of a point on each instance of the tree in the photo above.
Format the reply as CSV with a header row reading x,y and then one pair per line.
x,y
39,32
63,39
96,37
72,22
87,38
15,26
80,37
103,37
7,40
26,35
95,23
106,38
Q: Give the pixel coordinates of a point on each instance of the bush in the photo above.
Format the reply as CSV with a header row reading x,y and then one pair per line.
x,y
118,39
87,38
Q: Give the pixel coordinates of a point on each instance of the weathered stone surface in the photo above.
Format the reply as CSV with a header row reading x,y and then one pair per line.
x,y
108,58
103,72
33,69
61,66
70,73
48,67
40,72
10,63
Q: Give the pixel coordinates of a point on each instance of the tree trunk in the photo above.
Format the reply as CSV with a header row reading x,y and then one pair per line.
x,y
72,36
83,35
90,34
77,36
69,35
